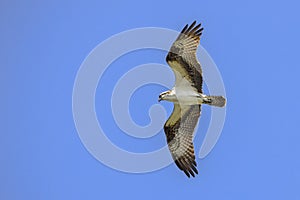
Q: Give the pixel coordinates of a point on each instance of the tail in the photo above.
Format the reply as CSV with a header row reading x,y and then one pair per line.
x,y
218,101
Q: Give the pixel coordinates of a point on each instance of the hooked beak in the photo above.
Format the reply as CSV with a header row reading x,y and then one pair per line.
x,y
159,99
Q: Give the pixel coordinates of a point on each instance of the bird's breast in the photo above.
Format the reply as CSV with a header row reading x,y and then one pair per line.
x,y
187,96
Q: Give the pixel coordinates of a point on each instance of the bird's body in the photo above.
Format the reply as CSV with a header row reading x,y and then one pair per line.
x,y
187,97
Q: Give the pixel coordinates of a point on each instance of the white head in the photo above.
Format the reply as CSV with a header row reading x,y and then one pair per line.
x,y
167,96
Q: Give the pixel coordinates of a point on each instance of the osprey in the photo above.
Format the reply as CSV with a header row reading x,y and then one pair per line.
x,y
187,97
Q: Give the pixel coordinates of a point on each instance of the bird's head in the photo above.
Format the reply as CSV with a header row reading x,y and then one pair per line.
x,y
165,95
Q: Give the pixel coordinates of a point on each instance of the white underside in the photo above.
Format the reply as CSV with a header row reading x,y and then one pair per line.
x,y
185,96
183,92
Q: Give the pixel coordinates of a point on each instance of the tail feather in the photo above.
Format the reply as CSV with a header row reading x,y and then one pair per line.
x,y
218,101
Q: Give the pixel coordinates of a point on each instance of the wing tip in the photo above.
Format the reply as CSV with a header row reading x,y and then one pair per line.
x,y
187,166
192,29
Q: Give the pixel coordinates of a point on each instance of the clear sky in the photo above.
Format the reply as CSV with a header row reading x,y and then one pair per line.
x,y
255,45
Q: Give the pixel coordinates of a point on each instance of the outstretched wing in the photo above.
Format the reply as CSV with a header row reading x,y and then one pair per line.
x,y
179,130
182,56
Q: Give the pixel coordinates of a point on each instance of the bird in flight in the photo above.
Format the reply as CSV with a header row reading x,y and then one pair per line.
x,y
187,97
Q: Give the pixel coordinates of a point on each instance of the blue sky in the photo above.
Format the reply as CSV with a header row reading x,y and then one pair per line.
x,y
255,45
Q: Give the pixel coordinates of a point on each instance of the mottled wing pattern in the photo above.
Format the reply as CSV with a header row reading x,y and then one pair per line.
x,y
182,56
179,130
